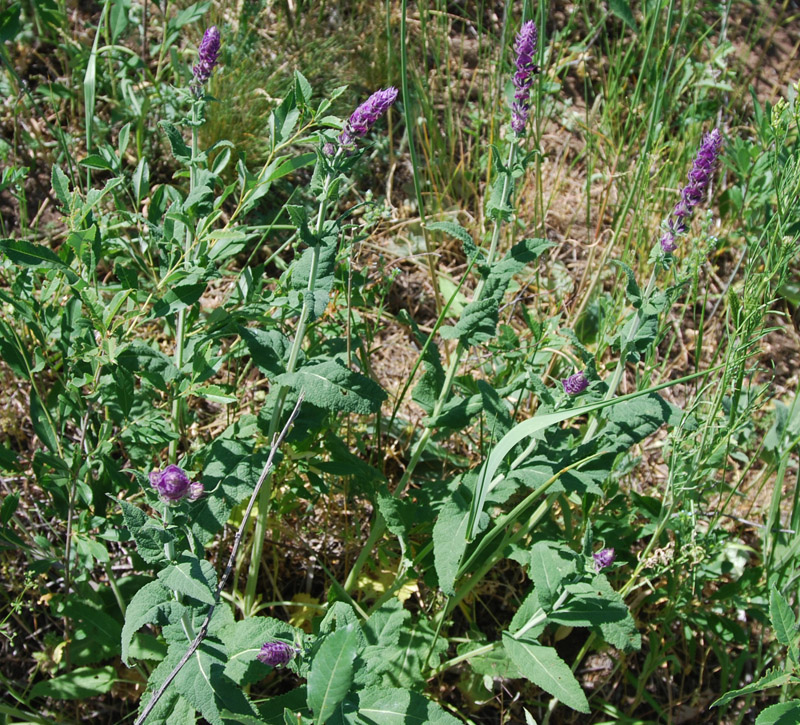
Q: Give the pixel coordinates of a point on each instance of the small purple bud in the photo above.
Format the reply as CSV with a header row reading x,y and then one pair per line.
x,y
365,116
692,194
208,55
276,653
172,483
329,149
525,47
575,384
603,558
195,490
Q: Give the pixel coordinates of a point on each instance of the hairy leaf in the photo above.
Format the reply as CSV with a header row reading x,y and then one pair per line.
x,y
152,604
192,577
148,533
331,672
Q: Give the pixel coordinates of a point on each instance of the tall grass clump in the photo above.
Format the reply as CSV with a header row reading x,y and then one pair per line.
x,y
501,446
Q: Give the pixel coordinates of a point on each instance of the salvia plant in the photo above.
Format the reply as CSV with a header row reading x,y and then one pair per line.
x,y
127,341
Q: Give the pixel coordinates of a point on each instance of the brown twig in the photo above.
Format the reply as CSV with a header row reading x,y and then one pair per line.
x,y
228,568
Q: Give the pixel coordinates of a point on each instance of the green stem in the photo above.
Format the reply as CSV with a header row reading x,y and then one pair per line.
x,y
265,496
180,325
379,525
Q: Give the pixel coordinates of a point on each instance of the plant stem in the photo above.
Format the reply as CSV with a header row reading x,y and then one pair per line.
x,y
266,492
180,325
379,525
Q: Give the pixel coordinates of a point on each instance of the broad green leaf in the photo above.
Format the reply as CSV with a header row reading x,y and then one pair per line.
x,y
784,713
299,273
551,564
148,533
153,365
96,634
172,708
152,604
191,576
341,615
450,539
119,18
332,386
269,349
178,298
543,667
622,9
243,642
773,678
783,621
632,289
477,324
203,684
331,672
619,633
394,706
79,684
385,624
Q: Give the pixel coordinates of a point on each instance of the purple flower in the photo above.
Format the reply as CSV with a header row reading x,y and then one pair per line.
x,y
603,558
276,653
365,116
208,55
575,384
173,484
525,47
692,194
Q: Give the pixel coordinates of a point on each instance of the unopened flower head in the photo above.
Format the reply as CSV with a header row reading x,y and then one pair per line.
x,y
276,653
173,484
692,194
208,55
603,558
365,116
575,384
525,48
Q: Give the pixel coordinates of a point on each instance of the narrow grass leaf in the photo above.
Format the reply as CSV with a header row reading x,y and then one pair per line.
x,y
81,683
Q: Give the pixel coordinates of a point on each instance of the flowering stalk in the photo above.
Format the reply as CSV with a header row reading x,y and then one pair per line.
x,y
525,47
362,119
208,56
692,194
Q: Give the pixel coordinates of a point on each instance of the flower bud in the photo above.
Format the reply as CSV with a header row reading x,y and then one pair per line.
x,y
575,384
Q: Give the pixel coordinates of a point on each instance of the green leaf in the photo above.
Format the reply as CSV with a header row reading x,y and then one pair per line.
x,y
153,365
81,683
784,713
192,577
179,148
620,633
178,298
773,678
119,18
29,254
551,564
331,672
332,386
60,184
96,634
632,289
783,621
622,9
386,623
543,667
477,323
457,232
42,425
450,539
171,709
269,349
152,604
203,684
8,508
283,120
148,533
394,706
542,421
243,642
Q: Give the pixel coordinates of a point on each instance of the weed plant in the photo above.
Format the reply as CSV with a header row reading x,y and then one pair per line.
x,y
500,446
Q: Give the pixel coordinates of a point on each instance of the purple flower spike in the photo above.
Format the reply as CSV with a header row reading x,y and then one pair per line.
x,y
173,484
525,47
276,653
575,384
603,558
365,116
692,194
208,55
